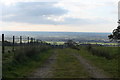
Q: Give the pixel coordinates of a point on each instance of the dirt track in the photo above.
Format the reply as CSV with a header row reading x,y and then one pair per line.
x,y
93,71
45,71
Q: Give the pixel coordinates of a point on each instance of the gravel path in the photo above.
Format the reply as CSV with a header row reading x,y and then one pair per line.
x,y
45,71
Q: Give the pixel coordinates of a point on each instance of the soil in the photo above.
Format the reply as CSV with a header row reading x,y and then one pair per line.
x,y
45,71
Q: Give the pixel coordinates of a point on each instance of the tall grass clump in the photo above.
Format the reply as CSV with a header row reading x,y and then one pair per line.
x,y
102,52
25,52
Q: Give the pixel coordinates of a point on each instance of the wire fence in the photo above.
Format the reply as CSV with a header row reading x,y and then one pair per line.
x,y
16,41
23,41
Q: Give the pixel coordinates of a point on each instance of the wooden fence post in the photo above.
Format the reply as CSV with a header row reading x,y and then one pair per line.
x,y
20,39
13,43
3,45
28,40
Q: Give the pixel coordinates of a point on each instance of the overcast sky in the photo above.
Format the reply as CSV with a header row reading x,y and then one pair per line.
x,y
59,15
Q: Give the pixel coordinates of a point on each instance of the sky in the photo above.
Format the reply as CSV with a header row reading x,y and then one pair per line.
x,y
59,15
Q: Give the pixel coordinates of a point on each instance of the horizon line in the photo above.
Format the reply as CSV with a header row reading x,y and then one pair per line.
x,y
56,31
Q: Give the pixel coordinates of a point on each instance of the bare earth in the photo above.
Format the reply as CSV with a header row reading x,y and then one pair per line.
x,y
45,71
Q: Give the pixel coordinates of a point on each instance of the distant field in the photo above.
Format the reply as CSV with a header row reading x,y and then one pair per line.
x,y
61,43
57,43
101,43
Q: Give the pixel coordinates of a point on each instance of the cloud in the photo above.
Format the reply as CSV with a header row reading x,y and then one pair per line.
x,y
74,15
32,12
82,21
86,12
47,13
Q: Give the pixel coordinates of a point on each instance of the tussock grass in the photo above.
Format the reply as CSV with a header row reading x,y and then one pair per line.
x,y
101,51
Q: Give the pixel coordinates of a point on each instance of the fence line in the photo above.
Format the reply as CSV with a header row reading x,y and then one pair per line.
x,y
13,42
30,41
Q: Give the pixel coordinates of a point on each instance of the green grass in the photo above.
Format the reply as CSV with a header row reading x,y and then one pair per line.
x,y
25,60
13,68
67,66
110,67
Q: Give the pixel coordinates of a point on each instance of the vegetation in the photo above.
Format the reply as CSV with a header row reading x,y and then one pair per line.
x,y
72,44
115,34
110,66
106,52
24,60
67,66
27,58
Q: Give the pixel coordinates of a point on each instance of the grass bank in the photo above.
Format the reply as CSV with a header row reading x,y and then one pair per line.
x,y
24,60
